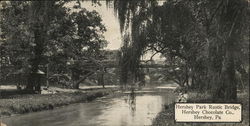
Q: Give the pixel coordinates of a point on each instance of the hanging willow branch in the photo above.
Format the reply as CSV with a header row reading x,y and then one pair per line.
x,y
133,16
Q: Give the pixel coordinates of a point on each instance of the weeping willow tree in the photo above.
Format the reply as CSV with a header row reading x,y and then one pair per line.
x,y
204,35
146,25
134,16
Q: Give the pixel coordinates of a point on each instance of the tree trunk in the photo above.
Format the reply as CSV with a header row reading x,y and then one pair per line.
x,y
34,78
228,72
100,77
75,79
225,87
77,82
39,23
230,26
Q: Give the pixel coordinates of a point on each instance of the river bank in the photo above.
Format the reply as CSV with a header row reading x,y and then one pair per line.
x,y
20,104
123,108
166,116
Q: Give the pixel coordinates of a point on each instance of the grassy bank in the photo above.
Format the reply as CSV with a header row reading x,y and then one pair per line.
x,y
166,116
36,102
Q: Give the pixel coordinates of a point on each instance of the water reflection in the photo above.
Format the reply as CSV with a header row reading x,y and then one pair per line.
x,y
133,110
132,102
127,110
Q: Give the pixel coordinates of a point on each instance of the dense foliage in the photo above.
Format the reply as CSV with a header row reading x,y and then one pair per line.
x,y
203,41
39,34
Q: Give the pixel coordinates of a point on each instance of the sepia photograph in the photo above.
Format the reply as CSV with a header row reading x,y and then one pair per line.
x,y
124,62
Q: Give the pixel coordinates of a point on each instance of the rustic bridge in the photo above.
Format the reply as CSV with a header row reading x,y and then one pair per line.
x,y
115,64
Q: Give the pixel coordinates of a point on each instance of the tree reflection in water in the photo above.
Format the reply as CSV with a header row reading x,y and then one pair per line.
x,y
132,101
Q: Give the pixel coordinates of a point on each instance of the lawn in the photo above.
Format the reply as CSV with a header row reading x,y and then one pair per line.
x,y
25,103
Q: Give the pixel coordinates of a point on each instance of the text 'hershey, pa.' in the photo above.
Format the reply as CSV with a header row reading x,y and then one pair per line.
x,y
206,112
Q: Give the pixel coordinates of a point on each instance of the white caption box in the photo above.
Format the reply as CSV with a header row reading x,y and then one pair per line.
x,y
208,112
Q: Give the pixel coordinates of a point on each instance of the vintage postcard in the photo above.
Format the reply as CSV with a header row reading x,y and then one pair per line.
x,y
124,62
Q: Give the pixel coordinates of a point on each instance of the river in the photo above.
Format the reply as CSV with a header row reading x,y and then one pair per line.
x,y
119,110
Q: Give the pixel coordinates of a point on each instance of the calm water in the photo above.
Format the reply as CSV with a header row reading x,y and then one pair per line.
x,y
126,110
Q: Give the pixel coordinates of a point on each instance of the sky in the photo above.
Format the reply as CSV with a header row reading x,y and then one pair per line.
x,y
113,35
111,22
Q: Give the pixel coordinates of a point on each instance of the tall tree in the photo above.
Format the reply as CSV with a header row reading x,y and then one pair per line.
x,y
230,20
52,33
215,27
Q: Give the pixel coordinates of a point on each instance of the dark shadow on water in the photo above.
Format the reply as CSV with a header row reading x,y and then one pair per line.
x,y
132,102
